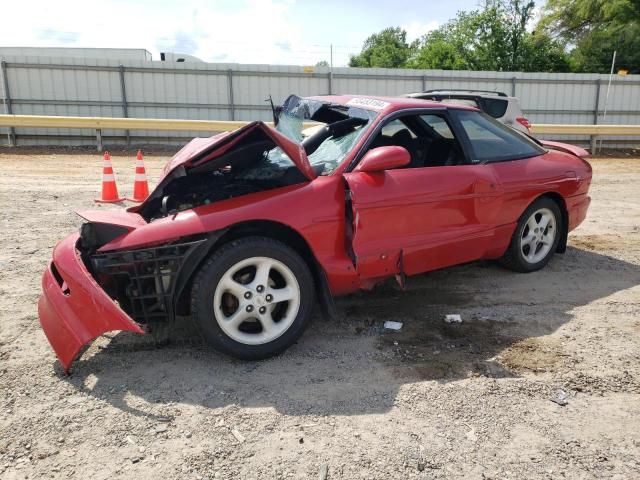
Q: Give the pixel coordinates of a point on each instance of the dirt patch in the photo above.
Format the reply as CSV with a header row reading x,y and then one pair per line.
x,y
532,354
600,242
433,400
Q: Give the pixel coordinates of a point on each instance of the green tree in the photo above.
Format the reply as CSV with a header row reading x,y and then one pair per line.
x,y
595,28
322,63
494,38
448,47
438,51
574,19
544,54
386,49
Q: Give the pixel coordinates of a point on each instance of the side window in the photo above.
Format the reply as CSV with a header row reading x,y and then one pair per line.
x,y
398,132
491,141
440,146
428,138
396,126
439,124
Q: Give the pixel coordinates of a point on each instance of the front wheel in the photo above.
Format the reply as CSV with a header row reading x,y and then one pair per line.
x,y
253,298
536,237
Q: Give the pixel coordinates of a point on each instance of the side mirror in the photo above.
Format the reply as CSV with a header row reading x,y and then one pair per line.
x,y
384,158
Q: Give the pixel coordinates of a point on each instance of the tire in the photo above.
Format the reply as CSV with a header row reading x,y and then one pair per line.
x,y
528,250
241,316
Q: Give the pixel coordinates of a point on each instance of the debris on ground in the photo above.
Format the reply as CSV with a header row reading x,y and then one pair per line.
x,y
560,397
238,436
391,325
324,472
453,318
161,428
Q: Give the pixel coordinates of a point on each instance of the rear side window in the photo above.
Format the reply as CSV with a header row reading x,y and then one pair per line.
x,y
394,127
438,124
493,106
491,141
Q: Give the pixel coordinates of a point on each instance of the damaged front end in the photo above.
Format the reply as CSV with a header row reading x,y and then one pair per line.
x,y
73,308
126,270
87,293
131,270
90,288
146,282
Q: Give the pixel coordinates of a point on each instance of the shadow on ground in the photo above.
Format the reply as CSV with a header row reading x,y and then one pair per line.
x,y
354,366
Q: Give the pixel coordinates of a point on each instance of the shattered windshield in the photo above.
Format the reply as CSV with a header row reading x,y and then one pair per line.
x,y
338,129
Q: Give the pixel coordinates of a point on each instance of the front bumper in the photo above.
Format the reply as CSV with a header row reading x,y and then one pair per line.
x,y
73,308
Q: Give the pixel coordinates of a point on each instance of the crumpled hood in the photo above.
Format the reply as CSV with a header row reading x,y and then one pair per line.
x,y
202,150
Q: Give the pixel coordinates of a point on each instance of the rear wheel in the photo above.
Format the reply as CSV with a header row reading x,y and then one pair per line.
x,y
253,298
536,237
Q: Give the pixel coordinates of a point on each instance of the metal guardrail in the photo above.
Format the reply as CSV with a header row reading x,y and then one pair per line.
x,y
586,129
112,123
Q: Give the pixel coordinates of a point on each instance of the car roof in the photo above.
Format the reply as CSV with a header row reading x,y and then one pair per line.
x,y
386,104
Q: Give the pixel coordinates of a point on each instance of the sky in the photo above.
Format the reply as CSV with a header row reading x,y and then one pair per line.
x,y
294,32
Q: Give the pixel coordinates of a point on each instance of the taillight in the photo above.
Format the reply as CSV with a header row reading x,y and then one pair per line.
x,y
524,122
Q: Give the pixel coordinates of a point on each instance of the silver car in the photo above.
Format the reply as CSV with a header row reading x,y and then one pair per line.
x,y
497,104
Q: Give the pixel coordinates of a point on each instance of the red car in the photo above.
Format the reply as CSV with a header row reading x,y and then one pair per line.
x,y
248,229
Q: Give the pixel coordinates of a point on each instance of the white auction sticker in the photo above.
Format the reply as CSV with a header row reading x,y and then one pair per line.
x,y
373,103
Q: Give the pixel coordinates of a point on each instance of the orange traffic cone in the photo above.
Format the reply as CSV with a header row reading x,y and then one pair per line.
x,y
109,189
140,185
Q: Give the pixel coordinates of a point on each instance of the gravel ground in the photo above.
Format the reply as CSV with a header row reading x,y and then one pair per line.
x,y
350,400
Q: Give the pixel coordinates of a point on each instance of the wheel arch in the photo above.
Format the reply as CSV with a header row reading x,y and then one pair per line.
x,y
274,230
559,200
270,229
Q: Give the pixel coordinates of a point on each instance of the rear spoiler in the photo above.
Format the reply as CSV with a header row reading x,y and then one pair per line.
x,y
566,147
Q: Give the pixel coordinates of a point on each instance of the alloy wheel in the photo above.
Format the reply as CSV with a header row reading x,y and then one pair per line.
x,y
538,235
256,300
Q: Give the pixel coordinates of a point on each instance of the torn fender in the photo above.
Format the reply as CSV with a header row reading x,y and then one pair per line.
x,y
73,309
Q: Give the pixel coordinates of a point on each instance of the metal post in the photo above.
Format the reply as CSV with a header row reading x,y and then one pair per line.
x,y
232,107
513,86
606,99
7,101
424,83
596,107
331,69
99,146
125,110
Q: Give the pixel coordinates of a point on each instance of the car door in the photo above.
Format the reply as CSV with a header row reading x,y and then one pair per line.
x,y
512,155
438,212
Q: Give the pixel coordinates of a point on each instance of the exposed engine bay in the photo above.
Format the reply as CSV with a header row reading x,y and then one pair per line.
x,y
203,188
255,164
255,160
